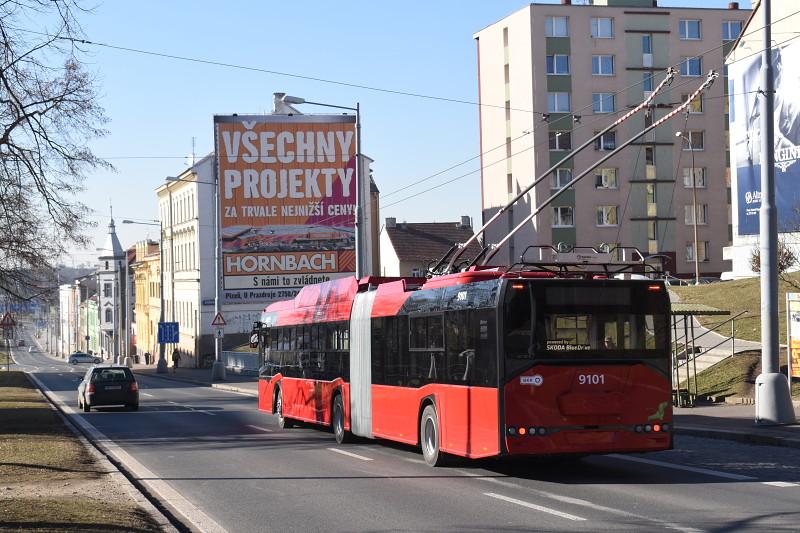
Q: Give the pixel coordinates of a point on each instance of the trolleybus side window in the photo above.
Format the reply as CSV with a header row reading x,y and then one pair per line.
x,y
518,318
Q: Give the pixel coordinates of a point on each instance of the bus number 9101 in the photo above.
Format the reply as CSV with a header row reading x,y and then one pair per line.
x,y
591,379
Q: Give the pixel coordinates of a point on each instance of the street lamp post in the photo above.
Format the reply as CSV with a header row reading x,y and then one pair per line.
x,y
161,367
359,222
688,140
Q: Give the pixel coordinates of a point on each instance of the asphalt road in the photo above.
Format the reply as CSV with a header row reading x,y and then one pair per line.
x,y
218,461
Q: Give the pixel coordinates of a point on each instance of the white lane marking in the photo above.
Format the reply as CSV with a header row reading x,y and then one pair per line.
x,y
349,454
259,428
192,409
674,466
193,514
146,394
589,505
533,506
781,484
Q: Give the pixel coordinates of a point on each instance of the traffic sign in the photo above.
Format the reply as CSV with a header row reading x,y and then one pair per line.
x,y
219,320
7,321
168,332
219,333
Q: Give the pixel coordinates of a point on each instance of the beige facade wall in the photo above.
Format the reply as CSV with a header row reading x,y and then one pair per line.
x,y
514,86
146,272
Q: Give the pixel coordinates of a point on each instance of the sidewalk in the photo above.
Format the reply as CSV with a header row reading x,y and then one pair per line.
x,y
733,422
234,382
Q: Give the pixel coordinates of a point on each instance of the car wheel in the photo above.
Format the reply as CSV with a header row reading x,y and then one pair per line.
x,y
283,422
72,361
86,407
133,407
337,421
97,360
429,437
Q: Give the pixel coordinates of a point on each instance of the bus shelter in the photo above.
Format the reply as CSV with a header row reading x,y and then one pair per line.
x,y
686,349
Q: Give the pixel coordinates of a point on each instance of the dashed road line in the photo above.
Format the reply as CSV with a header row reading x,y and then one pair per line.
x,y
674,466
146,394
259,428
535,507
350,454
781,484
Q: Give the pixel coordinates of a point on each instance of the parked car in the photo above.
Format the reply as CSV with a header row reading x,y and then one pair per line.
x,y
106,385
677,282
21,342
80,357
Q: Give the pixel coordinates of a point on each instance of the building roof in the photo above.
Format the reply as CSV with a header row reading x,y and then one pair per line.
x,y
112,249
426,241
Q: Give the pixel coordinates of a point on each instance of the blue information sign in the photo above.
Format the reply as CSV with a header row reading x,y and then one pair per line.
x,y
167,332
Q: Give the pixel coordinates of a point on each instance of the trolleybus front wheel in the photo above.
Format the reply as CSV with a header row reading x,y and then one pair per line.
x,y
429,437
283,422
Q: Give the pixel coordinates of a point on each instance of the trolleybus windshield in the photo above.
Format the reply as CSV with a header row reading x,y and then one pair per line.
x,y
576,321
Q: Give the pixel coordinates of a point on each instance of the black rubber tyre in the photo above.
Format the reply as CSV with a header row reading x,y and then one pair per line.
x,y
86,407
133,407
429,437
337,421
283,422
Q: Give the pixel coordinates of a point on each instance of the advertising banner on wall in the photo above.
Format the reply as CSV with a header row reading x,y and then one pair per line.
x,y
745,131
793,333
287,203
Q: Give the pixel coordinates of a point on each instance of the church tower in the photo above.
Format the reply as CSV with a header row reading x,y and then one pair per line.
x,y
111,295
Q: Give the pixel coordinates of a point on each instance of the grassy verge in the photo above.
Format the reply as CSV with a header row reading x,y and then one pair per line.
x,y
735,376
736,296
4,359
48,480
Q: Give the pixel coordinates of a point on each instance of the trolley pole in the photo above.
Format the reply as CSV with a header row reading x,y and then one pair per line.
x,y
773,398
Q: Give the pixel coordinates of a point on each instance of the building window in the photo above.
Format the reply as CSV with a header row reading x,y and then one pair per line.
x,y
695,141
106,290
699,178
416,272
603,65
702,214
650,193
647,81
603,28
558,103
607,215
560,178
652,230
702,247
562,217
603,102
108,316
731,29
560,140
696,105
558,64
605,178
689,30
607,141
556,27
647,44
691,66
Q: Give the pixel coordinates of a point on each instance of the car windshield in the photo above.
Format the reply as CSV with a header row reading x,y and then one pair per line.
x,y
111,374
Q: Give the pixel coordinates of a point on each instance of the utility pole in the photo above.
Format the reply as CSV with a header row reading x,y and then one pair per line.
x,y
773,398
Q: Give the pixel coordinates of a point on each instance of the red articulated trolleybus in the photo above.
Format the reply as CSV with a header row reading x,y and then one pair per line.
x,y
563,355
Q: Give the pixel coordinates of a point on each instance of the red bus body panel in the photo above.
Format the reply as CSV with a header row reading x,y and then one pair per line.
x,y
468,416
588,418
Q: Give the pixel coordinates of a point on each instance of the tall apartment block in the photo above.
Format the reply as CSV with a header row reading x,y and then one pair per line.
x,y
552,76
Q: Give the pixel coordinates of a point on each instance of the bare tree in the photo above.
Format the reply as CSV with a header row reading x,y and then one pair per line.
x,y
787,260
49,112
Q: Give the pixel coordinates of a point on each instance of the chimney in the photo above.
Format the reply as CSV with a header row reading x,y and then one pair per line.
x,y
465,222
391,222
733,5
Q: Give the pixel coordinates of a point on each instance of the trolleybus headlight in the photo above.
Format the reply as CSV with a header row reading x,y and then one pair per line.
x,y
638,429
656,427
664,427
532,431
522,431
647,428
512,431
542,431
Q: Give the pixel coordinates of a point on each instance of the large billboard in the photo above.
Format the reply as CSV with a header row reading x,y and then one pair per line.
x,y
287,190
745,130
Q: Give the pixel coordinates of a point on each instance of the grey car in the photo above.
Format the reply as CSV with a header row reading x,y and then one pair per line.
x,y
105,385
80,357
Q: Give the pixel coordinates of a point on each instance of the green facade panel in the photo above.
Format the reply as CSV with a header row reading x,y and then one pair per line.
x,y
557,45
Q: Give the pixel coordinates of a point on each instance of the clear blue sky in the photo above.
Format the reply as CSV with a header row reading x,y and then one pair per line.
x,y
156,105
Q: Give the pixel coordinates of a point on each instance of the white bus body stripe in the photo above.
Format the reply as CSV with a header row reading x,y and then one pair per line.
x,y
361,365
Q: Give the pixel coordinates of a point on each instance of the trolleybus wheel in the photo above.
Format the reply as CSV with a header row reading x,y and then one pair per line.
x,y
337,420
283,422
429,437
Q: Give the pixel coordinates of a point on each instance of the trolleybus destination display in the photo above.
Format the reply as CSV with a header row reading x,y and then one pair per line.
x,y
287,189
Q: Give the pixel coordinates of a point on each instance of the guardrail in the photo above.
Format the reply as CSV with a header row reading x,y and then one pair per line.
x,y
241,362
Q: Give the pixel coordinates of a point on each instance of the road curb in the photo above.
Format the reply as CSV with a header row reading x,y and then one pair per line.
x,y
221,386
142,499
738,436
